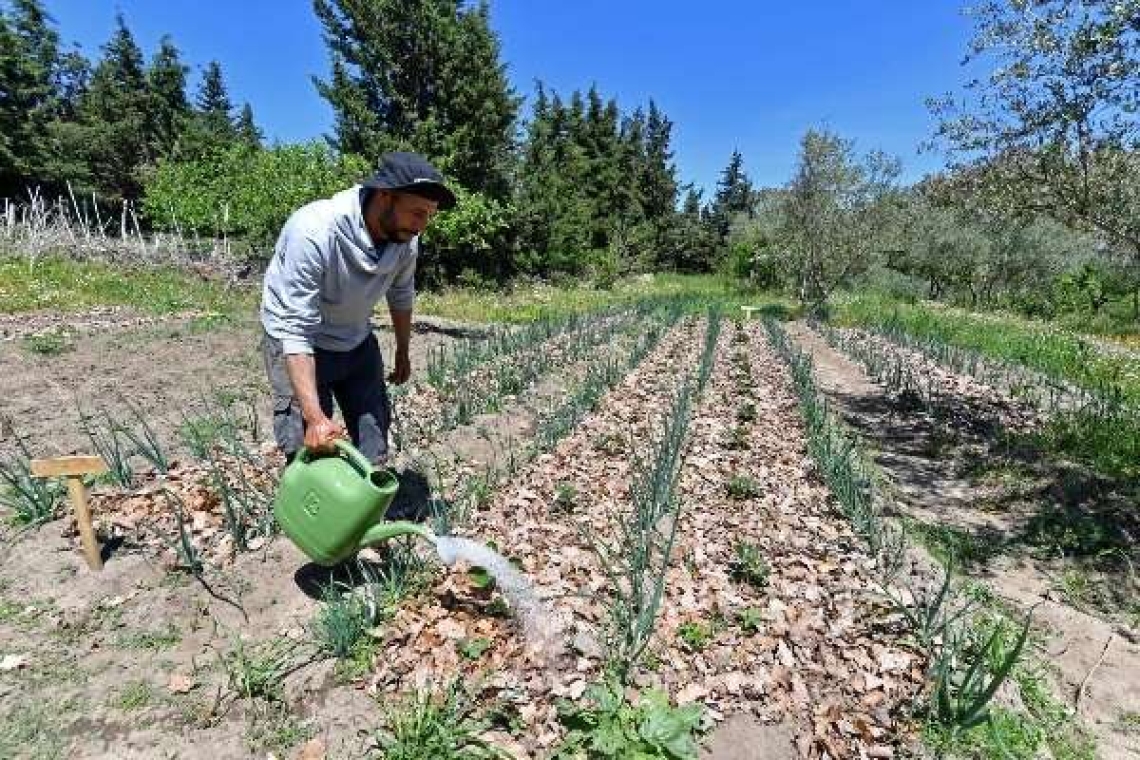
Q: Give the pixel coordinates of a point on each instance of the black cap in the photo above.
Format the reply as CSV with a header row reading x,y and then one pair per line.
x,y
405,172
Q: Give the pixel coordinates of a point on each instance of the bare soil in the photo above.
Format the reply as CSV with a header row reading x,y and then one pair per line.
x,y
113,358
129,663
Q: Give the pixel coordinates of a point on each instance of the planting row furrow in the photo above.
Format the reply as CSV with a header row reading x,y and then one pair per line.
x,y
468,464
544,520
424,411
1098,426
766,609
968,655
917,379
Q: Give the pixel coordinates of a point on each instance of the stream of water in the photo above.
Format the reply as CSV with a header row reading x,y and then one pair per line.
x,y
540,625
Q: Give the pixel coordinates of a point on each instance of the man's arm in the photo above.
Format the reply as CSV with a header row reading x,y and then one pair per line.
x,y
401,300
319,429
291,305
402,328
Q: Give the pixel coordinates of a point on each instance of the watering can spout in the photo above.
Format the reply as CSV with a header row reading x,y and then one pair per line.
x,y
383,531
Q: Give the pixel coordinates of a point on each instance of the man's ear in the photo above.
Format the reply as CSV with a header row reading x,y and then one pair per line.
x,y
382,198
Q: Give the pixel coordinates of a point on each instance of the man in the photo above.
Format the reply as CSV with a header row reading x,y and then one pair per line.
x,y
334,260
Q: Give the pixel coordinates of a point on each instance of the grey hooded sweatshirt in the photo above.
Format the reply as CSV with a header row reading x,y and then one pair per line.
x,y
326,277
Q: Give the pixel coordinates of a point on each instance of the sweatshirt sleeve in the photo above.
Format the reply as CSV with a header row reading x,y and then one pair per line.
x,y
294,292
402,291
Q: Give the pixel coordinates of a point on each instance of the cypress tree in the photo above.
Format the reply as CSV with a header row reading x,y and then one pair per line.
x,y
552,203
660,176
631,167
477,107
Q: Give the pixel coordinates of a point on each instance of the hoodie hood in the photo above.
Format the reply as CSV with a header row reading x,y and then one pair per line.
x,y
352,237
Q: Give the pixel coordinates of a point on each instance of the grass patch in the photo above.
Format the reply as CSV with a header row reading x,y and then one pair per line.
x,y
28,730
473,649
62,284
525,302
741,487
10,612
133,696
566,497
750,620
695,635
955,546
1041,346
275,731
259,671
154,641
50,342
343,629
746,412
1034,724
443,725
1072,532
749,566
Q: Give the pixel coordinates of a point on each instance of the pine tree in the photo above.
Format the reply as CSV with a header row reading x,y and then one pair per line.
x,y
66,160
660,178
213,103
733,196
29,57
687,242
73,78
630,199
423,75
210,126
248,132
169,110
114,117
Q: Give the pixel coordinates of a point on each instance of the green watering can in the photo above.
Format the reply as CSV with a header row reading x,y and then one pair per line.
x,y
333,506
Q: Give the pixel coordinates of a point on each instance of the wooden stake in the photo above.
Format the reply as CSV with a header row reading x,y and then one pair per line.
x,y
74,468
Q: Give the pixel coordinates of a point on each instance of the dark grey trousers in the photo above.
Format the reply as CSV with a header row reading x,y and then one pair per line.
x,y
354,379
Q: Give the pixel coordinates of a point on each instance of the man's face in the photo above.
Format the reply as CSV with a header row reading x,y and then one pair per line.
x,y
401,216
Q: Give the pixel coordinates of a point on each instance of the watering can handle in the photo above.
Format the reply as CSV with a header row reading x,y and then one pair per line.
x,y
345,450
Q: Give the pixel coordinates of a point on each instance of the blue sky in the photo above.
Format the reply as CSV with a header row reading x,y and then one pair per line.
x,y
730,74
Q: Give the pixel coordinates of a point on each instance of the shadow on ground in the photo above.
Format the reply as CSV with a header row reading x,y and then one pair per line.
x,y
974,490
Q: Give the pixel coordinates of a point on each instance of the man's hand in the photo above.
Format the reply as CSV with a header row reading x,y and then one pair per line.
x,y
321,434
320,431
402,369
402,329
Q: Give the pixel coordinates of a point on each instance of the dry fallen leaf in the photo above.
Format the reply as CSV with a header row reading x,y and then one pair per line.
x,y
180,683
450,628
314,749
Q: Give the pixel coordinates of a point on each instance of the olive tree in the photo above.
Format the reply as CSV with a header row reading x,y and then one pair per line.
x,y
835,214
1048,126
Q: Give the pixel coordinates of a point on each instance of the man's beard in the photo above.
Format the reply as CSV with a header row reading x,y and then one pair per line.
x,y
393,233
